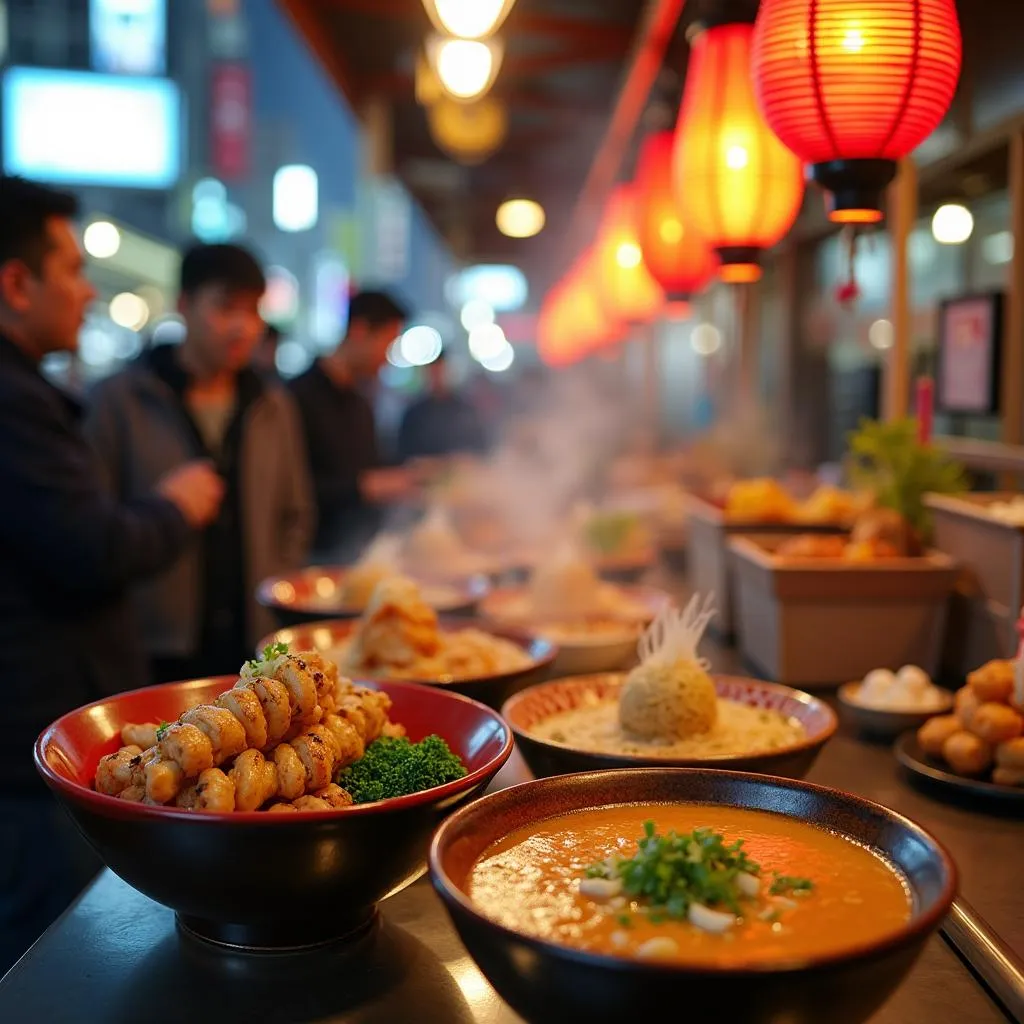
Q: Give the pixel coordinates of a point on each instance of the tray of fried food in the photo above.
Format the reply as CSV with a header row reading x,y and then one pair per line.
x,y
279,736
984,737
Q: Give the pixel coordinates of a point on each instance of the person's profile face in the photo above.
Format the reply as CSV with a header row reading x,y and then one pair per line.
x,y
50,304
223,326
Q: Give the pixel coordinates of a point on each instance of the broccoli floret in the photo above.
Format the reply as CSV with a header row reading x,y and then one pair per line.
x,y
396,767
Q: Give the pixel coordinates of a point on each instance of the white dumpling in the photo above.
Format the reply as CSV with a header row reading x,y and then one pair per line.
x,y
877,685
913,679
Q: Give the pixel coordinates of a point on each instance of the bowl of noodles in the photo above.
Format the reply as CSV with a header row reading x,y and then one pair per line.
x,y
401,637
669,712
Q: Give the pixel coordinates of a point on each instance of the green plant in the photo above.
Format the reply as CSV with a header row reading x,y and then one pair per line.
x,y
888,459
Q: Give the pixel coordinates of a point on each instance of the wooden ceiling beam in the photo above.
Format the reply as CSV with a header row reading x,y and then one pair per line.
x,y
657,27
318,37
584,30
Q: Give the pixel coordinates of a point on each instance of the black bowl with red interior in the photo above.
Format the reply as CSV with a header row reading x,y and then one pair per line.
x,y
259,880
317,591
548,982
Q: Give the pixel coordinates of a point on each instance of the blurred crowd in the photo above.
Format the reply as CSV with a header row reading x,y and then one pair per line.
x,y
137,523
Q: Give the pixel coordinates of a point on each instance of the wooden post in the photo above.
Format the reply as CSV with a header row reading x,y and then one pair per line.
x,y
379,151
1012,369
748,310
649,339
902,214
789,344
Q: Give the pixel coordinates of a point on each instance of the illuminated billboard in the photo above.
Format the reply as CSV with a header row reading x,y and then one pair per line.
x,y
80,128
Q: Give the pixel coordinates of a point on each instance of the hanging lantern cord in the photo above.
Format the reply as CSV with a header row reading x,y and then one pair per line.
x,y
849,291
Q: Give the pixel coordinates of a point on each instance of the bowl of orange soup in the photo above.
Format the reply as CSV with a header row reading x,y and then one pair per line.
x,y
607,896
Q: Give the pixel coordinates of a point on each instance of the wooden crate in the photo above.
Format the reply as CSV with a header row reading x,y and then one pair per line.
x,y
708,553
814,623
990,591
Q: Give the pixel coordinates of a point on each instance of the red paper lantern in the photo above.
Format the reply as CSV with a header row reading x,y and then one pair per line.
x,y
851,86
675,254
572,323
736,183
626,290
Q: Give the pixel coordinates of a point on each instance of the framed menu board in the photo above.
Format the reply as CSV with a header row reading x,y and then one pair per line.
x,y
970,343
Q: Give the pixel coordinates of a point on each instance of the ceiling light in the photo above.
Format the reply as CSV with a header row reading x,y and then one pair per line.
x,y
706,339
101,239
129,310
468,19
466,68
952,224
520,218
486,342
476,313
420,345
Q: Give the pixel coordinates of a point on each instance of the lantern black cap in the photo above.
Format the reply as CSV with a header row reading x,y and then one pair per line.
x,y
856,188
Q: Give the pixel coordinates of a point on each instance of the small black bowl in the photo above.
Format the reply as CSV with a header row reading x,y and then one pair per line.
x,y
547,983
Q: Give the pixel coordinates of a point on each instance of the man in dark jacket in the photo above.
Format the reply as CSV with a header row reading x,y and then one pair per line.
x,y
202,399
442,422
68,552
335,399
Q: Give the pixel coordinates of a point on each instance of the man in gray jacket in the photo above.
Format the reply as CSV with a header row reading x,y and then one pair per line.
x,y
201,399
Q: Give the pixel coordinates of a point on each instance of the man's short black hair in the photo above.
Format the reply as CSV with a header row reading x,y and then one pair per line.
x,y
25,207
233,268
375,309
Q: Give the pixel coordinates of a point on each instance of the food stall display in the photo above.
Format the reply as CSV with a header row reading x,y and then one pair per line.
x,y
985,533
822,611
754,507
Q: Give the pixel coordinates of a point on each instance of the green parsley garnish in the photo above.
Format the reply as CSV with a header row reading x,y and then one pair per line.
x,y
270,652
395,767
161,730
787,885
671,872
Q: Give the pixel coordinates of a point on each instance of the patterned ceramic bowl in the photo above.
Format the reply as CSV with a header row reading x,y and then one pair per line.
x,y
527,709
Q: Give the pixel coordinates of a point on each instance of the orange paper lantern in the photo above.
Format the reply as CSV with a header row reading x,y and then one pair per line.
x,y
736,183
625,288
852,86
675,254
573,323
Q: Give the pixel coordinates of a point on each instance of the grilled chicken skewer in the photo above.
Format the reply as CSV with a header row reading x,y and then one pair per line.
x,y
328,721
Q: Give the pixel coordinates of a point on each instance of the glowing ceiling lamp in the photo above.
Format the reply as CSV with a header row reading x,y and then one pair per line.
x,y
468,132
520,218
466,68
468,19
626,289
736,183
675,254
852,86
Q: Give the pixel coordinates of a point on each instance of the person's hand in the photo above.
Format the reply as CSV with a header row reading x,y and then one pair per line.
x,y
196,490
388,486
